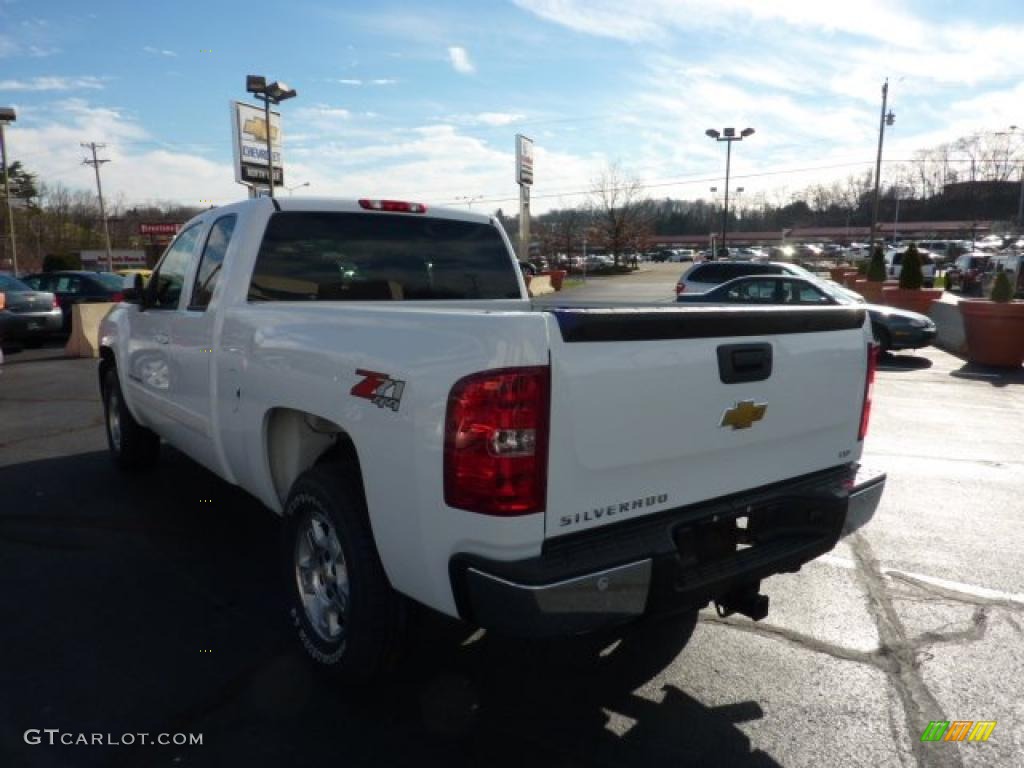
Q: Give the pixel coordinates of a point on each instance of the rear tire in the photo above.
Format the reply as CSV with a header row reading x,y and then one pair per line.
x,y
348,617
132,447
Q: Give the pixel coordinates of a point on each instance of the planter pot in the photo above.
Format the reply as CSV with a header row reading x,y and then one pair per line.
x,y
995,332
557,276
850,279
919,301
837,273
871,291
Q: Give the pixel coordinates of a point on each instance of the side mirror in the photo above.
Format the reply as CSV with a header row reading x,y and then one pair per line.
x,y
138,292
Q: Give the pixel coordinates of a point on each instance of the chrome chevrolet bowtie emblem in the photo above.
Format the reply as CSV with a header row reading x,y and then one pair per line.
x,y
743,414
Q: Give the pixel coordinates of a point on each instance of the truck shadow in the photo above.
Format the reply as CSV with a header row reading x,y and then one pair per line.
x,y
154,604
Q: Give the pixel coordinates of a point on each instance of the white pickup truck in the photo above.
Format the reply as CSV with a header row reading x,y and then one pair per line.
x,y
376,374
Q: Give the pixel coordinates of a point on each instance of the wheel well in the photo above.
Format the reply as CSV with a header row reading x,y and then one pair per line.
x,y
297,440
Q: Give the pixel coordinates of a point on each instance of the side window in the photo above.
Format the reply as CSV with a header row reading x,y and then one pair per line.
x,y
33,282
803,293
167,281
211,261
753,291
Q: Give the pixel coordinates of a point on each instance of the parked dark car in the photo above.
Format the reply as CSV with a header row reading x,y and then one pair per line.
x,y
893,328
78,287
26,316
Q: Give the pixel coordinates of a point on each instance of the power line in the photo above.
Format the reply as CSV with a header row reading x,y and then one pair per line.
x,y
96,163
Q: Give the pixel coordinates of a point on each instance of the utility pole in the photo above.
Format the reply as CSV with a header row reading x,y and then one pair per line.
x,y
96,163
7,115
883,121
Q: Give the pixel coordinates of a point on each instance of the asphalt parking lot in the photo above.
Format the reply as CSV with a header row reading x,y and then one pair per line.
x,y
153,604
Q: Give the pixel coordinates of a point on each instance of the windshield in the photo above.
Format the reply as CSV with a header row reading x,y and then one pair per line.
x,y
111,280
8,283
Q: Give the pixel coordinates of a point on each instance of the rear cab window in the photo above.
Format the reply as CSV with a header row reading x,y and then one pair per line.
x,y
332,256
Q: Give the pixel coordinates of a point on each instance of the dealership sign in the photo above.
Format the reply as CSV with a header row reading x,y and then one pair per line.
x,y
249,133
159,229
524,160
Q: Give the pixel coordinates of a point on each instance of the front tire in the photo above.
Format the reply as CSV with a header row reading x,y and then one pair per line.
x,y
882,340
347,615
132,447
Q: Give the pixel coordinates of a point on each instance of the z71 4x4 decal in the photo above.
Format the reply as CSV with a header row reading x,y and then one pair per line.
x,y
380,389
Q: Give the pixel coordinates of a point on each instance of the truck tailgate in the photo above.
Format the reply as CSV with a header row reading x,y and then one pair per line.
x,y
657,408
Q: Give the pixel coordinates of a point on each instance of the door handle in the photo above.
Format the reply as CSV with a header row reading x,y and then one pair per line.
x,y
738,363
161,338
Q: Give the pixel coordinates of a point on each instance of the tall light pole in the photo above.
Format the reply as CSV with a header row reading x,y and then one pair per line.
x,y
7,115
728,135
297,186
96,163
884,120
274,93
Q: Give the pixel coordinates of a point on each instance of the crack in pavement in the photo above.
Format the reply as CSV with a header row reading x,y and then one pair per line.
x,y
898,656
919,704
955,595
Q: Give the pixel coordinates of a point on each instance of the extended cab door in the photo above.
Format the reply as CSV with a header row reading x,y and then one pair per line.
x,y
151,375
192,350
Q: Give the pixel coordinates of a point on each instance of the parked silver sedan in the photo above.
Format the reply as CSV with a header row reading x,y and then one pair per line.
x,y
26,316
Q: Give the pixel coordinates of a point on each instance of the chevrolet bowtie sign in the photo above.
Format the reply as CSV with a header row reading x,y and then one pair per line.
x,y
743,414
249,130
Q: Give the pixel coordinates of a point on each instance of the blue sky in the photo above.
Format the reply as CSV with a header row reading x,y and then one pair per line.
x,y
422,100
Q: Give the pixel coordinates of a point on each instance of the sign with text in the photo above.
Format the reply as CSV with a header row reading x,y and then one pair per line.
x,y
161,228
524,159
249,133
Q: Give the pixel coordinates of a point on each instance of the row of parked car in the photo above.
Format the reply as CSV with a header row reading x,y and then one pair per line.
x,y
38,306
750,283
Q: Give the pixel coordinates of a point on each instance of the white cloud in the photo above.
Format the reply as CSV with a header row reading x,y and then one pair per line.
x,y
159,51
651,20
38,52
460,61
139,171
53,84
491,119
374,81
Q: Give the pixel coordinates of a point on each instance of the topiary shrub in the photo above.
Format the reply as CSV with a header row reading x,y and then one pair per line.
x,y
911,277
1002,291
53,262
876,269
862,268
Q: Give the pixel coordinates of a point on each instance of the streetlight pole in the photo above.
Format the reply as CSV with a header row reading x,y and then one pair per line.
x,y
7,115
728,135
883,121
297,186
274,93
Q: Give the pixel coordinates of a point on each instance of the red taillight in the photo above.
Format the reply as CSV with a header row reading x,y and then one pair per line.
x,y
119,296
56,302
394,206
3,300
496,442
869,388
680,287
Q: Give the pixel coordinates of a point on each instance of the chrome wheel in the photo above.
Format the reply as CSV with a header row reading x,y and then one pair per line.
x,y
321,576
114,419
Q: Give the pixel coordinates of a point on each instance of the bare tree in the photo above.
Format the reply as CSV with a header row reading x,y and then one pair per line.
x,y
620,221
